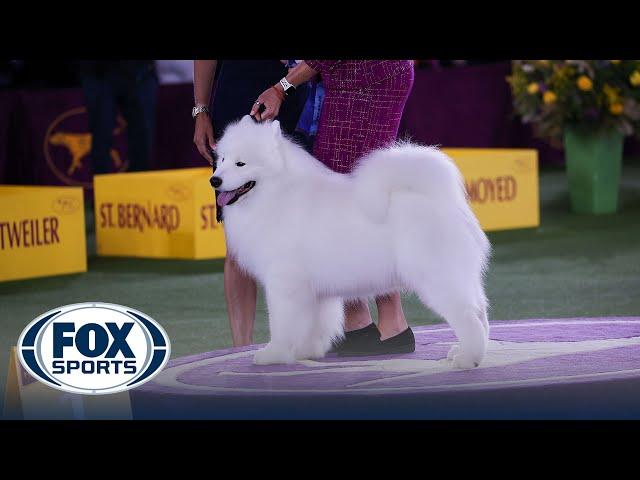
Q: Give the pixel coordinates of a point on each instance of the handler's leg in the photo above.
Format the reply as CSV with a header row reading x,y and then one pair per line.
x,y
392,335
359,329
356,315
391,320
240,292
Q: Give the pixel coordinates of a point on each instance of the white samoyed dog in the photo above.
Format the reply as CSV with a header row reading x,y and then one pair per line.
x,y
314,238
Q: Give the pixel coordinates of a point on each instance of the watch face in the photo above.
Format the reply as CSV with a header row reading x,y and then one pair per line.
x,y
197,110
286,86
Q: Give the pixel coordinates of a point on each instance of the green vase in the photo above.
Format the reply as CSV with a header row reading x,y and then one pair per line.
x,y
594,160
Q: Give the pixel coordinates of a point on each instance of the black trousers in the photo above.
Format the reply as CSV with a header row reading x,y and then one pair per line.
x,y
239,84
133,92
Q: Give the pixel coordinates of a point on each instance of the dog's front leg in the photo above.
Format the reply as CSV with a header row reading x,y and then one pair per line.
x,y
290,308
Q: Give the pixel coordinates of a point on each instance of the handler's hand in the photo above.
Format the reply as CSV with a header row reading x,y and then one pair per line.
x,y
272,103
203,136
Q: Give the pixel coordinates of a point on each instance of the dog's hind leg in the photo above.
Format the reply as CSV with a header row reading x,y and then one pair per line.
x,y
483,306
485,320
464,314
291,306
328,325
482,315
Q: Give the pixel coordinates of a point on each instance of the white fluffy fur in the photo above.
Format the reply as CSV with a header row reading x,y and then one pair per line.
x,y
313,238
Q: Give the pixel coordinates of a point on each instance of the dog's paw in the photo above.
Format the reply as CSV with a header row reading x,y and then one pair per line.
x,y
453,351
465,362
312,352
270,355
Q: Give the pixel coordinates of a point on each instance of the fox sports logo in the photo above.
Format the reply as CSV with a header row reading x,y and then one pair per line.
x,y
94,348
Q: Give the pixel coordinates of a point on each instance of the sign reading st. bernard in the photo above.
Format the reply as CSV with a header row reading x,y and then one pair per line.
x,y
93,348
42,231
168,213
502,185
140,216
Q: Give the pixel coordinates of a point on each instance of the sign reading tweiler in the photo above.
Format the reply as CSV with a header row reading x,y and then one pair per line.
x,y
42,231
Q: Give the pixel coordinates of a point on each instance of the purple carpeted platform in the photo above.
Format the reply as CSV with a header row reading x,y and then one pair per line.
x,y
552,368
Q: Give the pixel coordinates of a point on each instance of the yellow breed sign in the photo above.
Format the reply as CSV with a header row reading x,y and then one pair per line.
x,y
42,231
171,213
502,185
160,214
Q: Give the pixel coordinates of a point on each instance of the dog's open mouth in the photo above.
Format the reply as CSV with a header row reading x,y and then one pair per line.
x,y
232,196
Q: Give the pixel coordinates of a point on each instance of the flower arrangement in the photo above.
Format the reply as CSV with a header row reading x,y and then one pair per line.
x,y
592,94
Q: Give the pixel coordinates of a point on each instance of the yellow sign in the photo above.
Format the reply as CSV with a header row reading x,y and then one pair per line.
x,y
502,185
42,231
171,213
159,214
26,398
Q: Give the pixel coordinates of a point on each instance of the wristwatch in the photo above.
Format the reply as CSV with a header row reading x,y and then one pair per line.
x,y
286,86
199,109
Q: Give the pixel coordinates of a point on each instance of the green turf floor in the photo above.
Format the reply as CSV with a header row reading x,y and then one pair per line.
x,y
570,266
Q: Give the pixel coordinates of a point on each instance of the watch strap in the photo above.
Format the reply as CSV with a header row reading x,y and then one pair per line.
x,y
198,109
286,86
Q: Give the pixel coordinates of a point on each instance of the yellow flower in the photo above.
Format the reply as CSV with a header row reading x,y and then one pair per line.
x,y
549,97
635,78
616,108
533,88
584,83
615,62
544,63
610,92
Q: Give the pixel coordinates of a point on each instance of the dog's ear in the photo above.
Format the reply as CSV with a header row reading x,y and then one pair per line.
x,y
247,119
278,138
275,128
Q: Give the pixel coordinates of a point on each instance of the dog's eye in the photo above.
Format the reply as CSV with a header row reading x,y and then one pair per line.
x,y
240,164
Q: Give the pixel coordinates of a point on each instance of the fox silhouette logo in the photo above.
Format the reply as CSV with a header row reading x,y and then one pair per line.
x,y
67,147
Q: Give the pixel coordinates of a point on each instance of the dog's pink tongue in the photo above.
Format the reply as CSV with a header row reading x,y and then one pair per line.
x,y
225,197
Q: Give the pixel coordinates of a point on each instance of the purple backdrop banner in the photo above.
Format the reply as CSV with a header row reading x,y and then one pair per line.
x,y
7,110
472,107
44,136
50,143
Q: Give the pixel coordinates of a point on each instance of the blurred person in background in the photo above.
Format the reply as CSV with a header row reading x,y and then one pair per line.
x,y
174,71
238,84
8,72
129,87
40,74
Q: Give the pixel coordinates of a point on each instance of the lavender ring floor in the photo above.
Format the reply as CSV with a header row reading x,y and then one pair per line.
x,y
566,368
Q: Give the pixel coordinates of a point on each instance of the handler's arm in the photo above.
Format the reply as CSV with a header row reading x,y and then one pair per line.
x,y
272,100
203,74
299,74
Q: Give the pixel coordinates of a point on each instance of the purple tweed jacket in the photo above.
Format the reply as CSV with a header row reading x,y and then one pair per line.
x,y
363,105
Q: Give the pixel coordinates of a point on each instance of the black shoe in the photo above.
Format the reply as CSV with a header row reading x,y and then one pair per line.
x,y
404,342
352,339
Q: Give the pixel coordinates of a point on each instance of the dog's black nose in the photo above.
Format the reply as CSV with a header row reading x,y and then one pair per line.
x,y
215,182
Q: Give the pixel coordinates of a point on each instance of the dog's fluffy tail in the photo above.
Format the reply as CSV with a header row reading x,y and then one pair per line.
x,y
412,168
424,170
